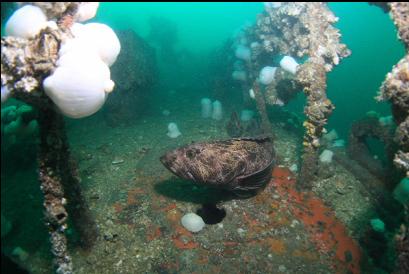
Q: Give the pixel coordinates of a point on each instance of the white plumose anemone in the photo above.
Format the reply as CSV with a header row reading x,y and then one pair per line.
x,y
243,52
251,94
26,22
326,156
289,64
206,107
239,75
79,89
267,75
75,52
217,113
173,130
100,37
81,81
86,11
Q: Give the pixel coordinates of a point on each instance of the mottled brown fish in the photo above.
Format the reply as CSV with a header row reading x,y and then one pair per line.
x,y
238,164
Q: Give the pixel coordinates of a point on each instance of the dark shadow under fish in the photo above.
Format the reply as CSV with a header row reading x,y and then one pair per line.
x,y
241,165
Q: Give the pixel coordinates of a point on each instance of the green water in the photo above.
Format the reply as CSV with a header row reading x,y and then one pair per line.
x,y
173,95
201,26
366,29
352,86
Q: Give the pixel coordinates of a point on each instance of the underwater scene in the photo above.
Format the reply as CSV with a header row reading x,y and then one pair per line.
x,y
265,137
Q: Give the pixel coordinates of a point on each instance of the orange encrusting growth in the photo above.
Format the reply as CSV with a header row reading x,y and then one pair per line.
x,y
153,233
132,193
326,231
276,246
182,239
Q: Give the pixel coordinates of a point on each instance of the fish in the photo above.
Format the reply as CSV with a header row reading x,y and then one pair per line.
x,y
234,128
237,164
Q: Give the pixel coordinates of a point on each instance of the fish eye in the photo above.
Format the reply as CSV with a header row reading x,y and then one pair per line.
x,y
190,154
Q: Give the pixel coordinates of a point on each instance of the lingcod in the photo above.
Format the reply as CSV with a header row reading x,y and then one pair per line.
x,y
237,164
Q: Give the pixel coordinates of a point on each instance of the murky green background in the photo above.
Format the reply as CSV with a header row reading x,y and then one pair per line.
x,y
352,85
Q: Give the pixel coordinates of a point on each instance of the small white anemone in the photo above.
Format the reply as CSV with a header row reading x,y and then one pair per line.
x,y
289,64
173,130
243,52
326,156
192,222
206,104
217,113
251,94
239,75
267,75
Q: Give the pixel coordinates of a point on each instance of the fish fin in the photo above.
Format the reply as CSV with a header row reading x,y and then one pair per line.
x,y
260,139
255,180
244,194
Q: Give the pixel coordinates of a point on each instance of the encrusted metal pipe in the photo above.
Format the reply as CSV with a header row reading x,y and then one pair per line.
x,y
51,141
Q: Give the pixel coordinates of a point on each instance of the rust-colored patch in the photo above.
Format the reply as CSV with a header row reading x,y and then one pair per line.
x,y
182,239
132,193
179,243
203,259
118,207
262,197
253,225
281,172
229,243
230,248
182,245
311,256
159,203
183,231
169,207
277,246
275,205
173,216
153,233
325,230
281,221
136,190
230,251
